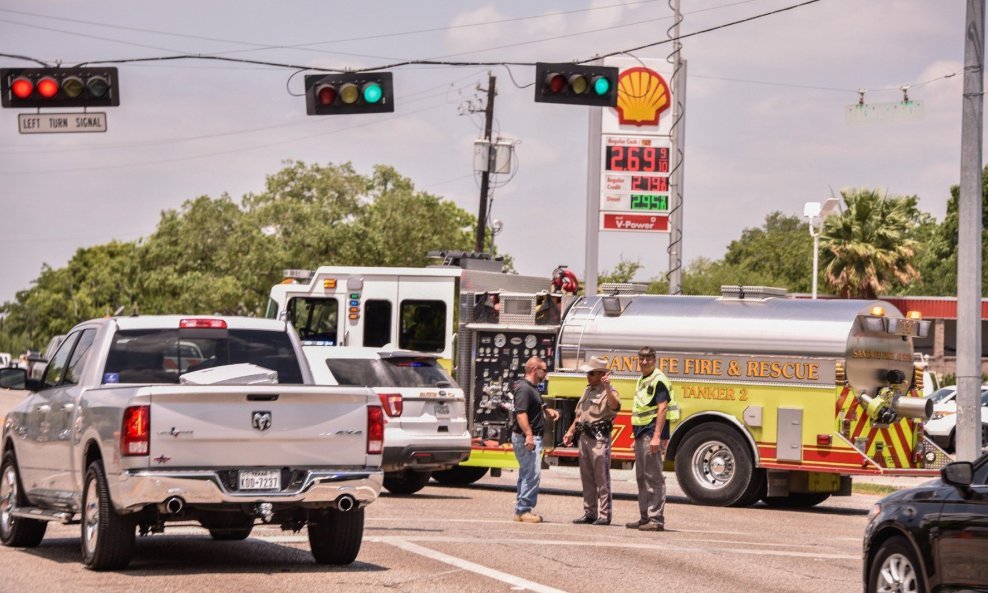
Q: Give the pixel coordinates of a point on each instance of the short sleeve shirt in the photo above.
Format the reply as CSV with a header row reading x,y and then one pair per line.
x,y
593,406
661,395
529,400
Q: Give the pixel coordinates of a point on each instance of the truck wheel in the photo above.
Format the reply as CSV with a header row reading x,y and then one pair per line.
x,y
460,475
895,568
229,527
714,467
406,481
335,536
107,536
755,491
15,531
796,500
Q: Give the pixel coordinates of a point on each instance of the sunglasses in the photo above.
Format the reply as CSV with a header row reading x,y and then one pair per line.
x,y
596,372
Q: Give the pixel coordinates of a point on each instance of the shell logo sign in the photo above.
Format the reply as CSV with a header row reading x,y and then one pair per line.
x,y
643,95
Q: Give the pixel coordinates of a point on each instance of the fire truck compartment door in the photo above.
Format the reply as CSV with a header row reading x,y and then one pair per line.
x,y
790,441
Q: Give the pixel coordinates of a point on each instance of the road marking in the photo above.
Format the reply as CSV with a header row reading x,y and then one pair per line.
x,y
674,546
516,582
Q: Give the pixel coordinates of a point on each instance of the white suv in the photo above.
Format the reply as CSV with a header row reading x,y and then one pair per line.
x,y
941,427
426,424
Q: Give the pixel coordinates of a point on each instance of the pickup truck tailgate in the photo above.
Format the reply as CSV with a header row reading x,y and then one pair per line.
x,y
254,426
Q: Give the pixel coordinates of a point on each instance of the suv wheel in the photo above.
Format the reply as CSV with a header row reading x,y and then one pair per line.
x,y
406,481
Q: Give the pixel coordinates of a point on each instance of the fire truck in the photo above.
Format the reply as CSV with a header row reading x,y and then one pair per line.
x,y
781,399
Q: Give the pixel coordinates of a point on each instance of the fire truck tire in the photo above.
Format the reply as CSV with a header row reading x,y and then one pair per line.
x,y
755,490
714,467
459,475
405,481
796,500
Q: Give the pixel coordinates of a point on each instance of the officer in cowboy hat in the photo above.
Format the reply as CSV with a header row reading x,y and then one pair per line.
x,y
591,432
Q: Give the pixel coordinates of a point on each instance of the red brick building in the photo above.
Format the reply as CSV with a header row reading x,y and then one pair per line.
x,y
941,344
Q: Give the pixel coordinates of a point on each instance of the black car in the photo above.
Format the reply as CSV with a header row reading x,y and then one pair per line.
x,y
933,537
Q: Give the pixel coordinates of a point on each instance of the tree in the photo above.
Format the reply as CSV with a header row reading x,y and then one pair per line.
x,y
870,246
623,272
937,261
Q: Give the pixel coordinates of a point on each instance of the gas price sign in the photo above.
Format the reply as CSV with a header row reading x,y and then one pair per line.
x,y
634,181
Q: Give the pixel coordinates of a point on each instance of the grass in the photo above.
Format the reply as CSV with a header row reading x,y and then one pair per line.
x,y
868,488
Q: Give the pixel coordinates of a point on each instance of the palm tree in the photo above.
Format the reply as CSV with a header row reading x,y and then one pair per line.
x,y
868,247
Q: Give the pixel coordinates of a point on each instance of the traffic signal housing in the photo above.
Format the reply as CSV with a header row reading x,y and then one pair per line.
x,y
59,87
350,92
576,85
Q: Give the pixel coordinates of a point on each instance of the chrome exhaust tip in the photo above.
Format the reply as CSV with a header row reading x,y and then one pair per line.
x,y
346,503
174,505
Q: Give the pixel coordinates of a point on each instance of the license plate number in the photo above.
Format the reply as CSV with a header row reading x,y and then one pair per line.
x,y
442,410
260,480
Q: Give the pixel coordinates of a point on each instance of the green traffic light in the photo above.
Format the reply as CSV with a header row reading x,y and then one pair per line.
x,y
601,85
372,92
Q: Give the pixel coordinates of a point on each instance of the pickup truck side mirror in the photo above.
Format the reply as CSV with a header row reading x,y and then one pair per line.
x,y
13,378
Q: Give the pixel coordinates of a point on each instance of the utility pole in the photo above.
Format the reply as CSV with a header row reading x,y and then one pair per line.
x,y
485,176
969,238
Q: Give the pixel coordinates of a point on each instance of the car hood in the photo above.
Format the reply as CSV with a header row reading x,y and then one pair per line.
x,y
933,490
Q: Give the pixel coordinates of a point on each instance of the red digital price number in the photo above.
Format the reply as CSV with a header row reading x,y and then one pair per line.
x,y
638,159
643,183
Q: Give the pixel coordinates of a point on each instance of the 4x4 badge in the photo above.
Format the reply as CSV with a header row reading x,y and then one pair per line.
x,y
261,420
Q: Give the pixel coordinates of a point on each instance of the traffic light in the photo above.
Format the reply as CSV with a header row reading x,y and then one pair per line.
x,y
350,92
576,85
59,87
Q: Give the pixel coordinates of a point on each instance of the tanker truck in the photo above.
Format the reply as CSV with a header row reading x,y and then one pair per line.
x,y
781,399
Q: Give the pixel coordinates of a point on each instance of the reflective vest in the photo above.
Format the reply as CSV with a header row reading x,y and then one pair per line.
x,y
643,410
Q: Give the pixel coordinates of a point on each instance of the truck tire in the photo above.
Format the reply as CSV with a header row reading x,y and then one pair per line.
x,y
895,568
107,536
335,536
15,531
714,467
405,481
796,500
229,527
460,475
755,491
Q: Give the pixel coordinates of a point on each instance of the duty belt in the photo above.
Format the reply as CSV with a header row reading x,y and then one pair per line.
x,y
600,430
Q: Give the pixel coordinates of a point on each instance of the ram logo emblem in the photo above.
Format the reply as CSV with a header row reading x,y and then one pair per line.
x,y
261,420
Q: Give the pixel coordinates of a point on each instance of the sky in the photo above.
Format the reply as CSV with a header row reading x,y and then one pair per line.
x,y
765,126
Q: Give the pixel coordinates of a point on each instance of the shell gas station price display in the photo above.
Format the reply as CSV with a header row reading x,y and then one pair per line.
x,y
637,159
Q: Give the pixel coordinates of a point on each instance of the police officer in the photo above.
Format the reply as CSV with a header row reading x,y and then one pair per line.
x,y
652,407
591,429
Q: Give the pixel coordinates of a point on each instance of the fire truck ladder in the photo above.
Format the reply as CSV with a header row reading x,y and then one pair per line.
x,y
575,319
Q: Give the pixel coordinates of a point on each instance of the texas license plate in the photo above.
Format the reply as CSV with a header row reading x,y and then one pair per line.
x,y
442,410
260,479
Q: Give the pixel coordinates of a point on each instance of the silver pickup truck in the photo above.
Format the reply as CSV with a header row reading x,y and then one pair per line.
x,y
141,421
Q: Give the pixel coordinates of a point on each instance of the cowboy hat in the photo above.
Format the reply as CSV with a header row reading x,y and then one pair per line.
x,y
596,363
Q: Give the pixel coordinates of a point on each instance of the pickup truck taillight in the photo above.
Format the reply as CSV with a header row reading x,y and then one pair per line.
x,y
391,402
375,430
135,434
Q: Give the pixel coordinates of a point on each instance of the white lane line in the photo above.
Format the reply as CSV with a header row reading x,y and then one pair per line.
x,y
673,546
516,582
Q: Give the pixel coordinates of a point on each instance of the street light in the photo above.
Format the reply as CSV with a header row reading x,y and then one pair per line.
x,y
815,214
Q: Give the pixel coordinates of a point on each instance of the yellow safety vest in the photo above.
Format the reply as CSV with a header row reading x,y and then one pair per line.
x,y
643,411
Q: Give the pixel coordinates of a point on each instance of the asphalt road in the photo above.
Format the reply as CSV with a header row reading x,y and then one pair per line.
x,y
464,539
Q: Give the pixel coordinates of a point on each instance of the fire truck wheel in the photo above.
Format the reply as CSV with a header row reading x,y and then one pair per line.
x,y
714,466
459,475
796,500
755,491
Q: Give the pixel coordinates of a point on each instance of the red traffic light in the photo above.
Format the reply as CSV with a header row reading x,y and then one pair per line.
x,y
22,88
326,94
555,82
59,87
47,87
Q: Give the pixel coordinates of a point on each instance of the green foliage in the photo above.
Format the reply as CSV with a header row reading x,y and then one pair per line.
x,y
215,255
623,272
937,261
870,247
